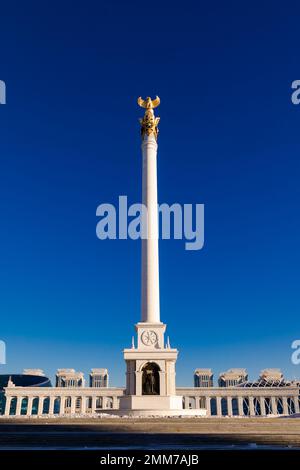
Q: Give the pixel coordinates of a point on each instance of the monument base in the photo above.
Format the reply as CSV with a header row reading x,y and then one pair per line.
x,y
150,402
157,413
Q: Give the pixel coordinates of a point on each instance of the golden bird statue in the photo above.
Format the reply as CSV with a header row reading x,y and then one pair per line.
x,y
149,122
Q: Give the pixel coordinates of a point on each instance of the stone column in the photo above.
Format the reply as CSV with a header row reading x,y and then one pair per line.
x,y
51,405
229,406
262,406
130,377
274,406
251,406
150,270
219,406
162,383
73,405
83,404
94,399
296,404
285,406
62,405
7,406
41,405
29,406
18,407
138,381
115,403
186,403
170,374
207,405
240,406
104,402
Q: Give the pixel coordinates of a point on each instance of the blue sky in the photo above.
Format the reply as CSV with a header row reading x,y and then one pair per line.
x,y
229,138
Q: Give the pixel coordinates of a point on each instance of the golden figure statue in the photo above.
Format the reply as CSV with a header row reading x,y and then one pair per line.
x,y
149,122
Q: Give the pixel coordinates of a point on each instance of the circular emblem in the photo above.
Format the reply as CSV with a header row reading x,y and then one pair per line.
x,y
149,337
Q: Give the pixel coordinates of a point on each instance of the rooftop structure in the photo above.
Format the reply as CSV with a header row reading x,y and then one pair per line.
x,y
99,378
271,374
203,378
38,372
69,378
232,377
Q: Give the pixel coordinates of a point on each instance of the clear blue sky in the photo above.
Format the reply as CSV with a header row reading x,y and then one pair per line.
x,y
229,138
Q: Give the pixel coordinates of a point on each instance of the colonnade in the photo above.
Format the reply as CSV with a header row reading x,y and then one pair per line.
x,y
242,402
233,401
71,401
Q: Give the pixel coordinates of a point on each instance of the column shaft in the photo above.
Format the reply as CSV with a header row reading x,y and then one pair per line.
x,y
73,405
29,406
18,407
138,383
262,406
115,403
41,406
62,405
51,405
150,269
83,404
240,406
274,406
251,406
207,404
219,406
285,406
7,406
229,406
94,399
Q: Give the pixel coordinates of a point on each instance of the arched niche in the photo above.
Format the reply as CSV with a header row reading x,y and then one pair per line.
x,y
150,379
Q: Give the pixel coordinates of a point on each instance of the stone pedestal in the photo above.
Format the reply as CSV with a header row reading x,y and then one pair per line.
x,y
150,374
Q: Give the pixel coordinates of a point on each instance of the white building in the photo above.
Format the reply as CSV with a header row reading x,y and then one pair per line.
x,y
39,372
203,378
69,378
99,378
271,375
232,377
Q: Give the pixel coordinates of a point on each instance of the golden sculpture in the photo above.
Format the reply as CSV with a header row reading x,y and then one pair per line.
x,y
149,122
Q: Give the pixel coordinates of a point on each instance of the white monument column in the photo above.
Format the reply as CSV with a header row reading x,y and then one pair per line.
x,y
150,376
150,269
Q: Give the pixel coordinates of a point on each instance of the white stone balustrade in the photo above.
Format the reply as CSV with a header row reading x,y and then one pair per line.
x,y
238,401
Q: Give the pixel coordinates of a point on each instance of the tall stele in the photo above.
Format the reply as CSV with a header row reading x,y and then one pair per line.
x,y
150,374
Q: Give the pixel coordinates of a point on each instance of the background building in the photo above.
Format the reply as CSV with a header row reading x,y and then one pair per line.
x,y
99,378
232,377
39,372
203,378
271,375
69,378
21,380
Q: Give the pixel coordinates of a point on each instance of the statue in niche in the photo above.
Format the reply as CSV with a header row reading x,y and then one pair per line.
x,y
150,379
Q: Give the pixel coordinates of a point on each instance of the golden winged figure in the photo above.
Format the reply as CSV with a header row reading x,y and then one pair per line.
x,y
148,103
149,122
